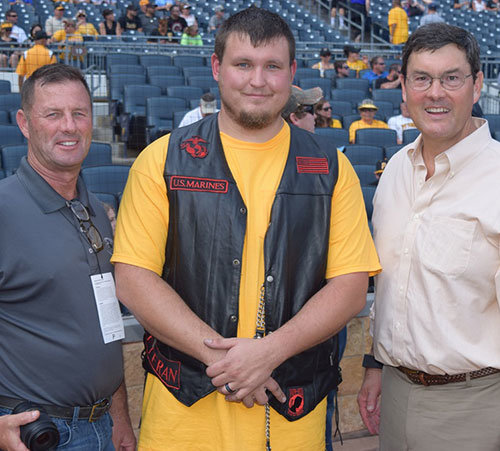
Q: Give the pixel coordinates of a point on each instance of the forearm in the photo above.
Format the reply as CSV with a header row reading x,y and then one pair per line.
x,y
324,315
163,313
119,405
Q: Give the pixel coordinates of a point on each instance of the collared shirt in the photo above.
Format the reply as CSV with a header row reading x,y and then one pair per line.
x,y
397,16
370,75
192,116
32,59
437,300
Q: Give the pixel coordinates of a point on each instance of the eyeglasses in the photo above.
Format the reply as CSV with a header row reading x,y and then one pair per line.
x,y
450,82
12,15
86,225
345,66
308,109
381,63
326,108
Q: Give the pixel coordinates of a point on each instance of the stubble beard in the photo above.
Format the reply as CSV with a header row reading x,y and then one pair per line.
x,y
247,119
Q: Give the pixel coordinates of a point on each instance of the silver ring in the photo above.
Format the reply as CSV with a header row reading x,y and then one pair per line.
x,y
229,389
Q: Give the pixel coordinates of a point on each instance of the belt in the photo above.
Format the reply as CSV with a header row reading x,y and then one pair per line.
x,y
90,413
421,378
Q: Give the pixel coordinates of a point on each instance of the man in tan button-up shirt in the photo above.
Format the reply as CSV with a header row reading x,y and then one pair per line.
x,y
436,318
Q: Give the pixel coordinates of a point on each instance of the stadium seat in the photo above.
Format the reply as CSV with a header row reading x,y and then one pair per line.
x,y
9,102
108,198
117,82
341,107
11,156
389,151
11,135
388,95
2,173
359,84
185,92
160,115
99,154
127,69
385,108
196,71
189,60
109,179
5,118
5,87
164,81
120,58
305,72
359,154
339,136
134,98
203,82
155,60
368,193
381,137
354,96
324,83
152,71
366,174
493,122
410,135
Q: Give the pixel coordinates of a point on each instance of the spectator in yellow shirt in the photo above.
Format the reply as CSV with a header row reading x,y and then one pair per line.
x,y
323,111
83,27
398,23
72,37
352,55
367,110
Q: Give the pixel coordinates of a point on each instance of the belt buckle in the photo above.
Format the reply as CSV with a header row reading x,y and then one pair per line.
x,y
98,410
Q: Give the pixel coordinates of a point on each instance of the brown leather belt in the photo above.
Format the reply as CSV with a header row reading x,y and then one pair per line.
x,y
421,378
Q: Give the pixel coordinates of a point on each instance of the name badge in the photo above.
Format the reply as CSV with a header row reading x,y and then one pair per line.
x,y
108,309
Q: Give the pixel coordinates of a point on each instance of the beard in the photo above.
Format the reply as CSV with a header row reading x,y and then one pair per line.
x,y
247,119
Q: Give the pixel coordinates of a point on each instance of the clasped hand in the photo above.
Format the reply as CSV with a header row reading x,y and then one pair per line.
x,y
246,368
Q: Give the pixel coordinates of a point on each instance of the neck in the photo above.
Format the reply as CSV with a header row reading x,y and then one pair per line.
x,y
230,127
62,182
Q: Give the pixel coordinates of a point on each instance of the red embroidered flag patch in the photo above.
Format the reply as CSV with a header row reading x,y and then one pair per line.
x,y
180,183
307,165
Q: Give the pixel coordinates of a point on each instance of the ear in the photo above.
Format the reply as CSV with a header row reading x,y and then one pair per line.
x,y
294,119
293,69
403,87
215,63
478,85
22,122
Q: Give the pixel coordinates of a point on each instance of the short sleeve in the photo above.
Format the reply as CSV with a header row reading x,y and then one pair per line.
x,y
142,226
351,245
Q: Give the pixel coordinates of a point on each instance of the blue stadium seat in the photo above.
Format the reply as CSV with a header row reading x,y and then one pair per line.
x,y
127,69
185,92
160,115
360,154
348,95
385,108
117,82
305,72
493,122
324,83
9,102
366,174
178,116
203,82
368,193
376,137
388,95
196,71
5,118
341,107
109,179
155,60
120,58
2,173
189,60
389,151
10,135
99,154
11,156
152,71
134,98
164,81
358,84
5,87
339,136
496,135
410,135
109,199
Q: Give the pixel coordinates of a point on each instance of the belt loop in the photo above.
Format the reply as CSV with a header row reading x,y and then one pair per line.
x,y
467,379
76,413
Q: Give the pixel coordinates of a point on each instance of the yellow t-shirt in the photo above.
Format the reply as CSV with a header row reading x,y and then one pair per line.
x,y
87,29
335,123
398,17
32,59
358,125
357,65
212,423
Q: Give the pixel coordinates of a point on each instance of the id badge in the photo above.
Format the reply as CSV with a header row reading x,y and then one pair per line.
x,y
108,309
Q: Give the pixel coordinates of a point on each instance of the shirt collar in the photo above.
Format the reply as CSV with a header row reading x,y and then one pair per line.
x,y
462,152
43,194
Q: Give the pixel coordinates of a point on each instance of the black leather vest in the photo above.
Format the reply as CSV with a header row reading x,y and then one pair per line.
x,y
205,247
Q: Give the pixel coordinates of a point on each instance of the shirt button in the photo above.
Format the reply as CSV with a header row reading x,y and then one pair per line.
x,y
243,210
233,318
401,289
416,216
270,278
405,250
398,326
236,262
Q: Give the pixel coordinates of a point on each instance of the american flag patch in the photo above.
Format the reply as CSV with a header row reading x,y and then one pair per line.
x,y
307,165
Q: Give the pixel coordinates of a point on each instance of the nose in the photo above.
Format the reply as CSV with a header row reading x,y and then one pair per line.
x,y
258,78
68,123
436,90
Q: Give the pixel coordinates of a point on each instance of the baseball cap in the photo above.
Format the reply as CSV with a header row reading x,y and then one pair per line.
x,y
6,26
325,51
81,12
208,104
367,104
144,2
301,97
60,8
219,8
433,6
351,49
380,166
40,35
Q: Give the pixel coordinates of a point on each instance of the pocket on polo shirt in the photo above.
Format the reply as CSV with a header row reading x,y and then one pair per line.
x,y
447,245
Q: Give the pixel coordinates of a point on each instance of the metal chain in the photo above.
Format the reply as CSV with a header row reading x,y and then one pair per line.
x,y
260,332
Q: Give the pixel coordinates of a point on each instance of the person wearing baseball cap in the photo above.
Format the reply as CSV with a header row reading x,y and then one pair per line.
x,y
324,63
55,22
352,55
208,105
367,110
82,26
299,110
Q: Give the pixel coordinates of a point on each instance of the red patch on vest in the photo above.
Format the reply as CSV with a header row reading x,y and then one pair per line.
x,y
180,183
195,146
295,401
307,165
168,371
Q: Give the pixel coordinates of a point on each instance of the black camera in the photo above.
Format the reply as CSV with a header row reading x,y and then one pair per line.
x,y
40,435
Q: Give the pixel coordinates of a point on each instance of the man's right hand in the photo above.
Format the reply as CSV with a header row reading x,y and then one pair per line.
x,y
10,439
369,399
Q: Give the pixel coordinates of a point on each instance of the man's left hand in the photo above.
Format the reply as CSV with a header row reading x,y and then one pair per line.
x,y
247,365
123,436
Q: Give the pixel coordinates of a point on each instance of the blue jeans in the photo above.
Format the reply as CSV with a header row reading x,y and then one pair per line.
x,y
80,435
330,400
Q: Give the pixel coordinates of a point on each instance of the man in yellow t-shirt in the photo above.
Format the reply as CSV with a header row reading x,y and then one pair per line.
x,y
72,37
398,23
169,244
367,110
39,55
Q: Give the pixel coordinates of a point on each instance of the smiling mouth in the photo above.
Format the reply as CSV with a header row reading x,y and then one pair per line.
x,y
437,110
68,143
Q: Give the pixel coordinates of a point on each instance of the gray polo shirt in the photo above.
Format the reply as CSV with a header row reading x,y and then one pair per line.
x,y
51,346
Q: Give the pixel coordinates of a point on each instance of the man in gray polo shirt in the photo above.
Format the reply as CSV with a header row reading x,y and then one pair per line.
x,y
59,316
